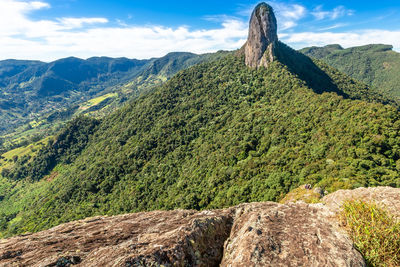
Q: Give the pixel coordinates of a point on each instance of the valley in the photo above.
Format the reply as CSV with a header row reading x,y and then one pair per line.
x,y
213,155
37,98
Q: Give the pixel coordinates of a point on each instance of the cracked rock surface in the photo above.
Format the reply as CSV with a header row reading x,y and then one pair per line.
x,y
254,234
168,238
296,234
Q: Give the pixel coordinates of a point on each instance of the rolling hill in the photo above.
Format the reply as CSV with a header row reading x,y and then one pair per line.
x,y
43,95
376,65
215,135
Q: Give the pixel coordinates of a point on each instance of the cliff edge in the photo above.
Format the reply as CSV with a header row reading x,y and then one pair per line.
x,y
260,46
255,234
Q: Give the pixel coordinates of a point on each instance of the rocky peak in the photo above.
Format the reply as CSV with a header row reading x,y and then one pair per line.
x,y
259,48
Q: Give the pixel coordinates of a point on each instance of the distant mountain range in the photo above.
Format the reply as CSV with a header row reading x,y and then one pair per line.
x,y
203,132
376,65
34,93
215,135
36,98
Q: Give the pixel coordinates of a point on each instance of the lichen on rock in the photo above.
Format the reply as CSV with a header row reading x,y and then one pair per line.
x,y
296,234
255,234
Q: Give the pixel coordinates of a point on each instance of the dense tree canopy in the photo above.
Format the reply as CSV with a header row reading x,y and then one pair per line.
x,y
376,65
219,134
64,149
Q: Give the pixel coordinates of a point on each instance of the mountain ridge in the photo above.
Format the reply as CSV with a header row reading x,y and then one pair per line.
x,y
215,135
57,94
376,64
170,156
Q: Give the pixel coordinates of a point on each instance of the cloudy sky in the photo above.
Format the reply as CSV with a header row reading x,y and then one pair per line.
x,y
52,29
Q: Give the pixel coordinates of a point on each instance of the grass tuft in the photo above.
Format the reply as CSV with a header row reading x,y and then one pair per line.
x,y
375,232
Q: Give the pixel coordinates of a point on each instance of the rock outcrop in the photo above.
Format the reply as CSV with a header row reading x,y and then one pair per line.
x,y
385,197
262,39
297,234
255,234
173,238
304,193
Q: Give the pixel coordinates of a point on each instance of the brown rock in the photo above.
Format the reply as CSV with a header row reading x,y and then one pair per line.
x,y
174,238
261,42
386,197
257,234
297,234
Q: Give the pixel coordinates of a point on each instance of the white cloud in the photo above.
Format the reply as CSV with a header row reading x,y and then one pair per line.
x,y
72,23
25,38
288,15
294,12
287,25
337,12
346,39
15,21
148,41
335,26
38,5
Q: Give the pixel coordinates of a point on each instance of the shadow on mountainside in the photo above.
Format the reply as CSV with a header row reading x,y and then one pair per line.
x,y
307,70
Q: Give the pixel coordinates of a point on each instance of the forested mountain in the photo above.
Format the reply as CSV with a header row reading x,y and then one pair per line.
x,y
376,65
215,135
231,130
29,89
34,94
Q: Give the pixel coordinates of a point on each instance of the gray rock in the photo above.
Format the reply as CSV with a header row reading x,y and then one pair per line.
x,y
297,234
158,238
260,45
386,197
256,234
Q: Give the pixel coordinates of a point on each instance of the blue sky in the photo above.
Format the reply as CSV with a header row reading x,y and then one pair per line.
x,y
51,29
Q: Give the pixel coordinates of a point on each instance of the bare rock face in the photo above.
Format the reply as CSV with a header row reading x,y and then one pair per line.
x,y
263,234
386,197
260,45
297,234
174,238
256,234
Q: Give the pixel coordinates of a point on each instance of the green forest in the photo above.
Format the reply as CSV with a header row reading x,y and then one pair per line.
x,y
215,135
37,98
376,65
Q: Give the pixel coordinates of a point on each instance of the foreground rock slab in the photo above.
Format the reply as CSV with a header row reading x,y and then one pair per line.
x,y
174,238
256,234
386,197
297,234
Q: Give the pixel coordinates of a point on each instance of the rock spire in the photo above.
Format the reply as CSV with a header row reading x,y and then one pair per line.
x,y
260,45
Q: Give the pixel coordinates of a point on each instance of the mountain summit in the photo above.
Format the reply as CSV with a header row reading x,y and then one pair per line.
x,y
259,48
215,135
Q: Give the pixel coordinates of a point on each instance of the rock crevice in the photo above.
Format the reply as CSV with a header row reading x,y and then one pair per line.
x,y
255,234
